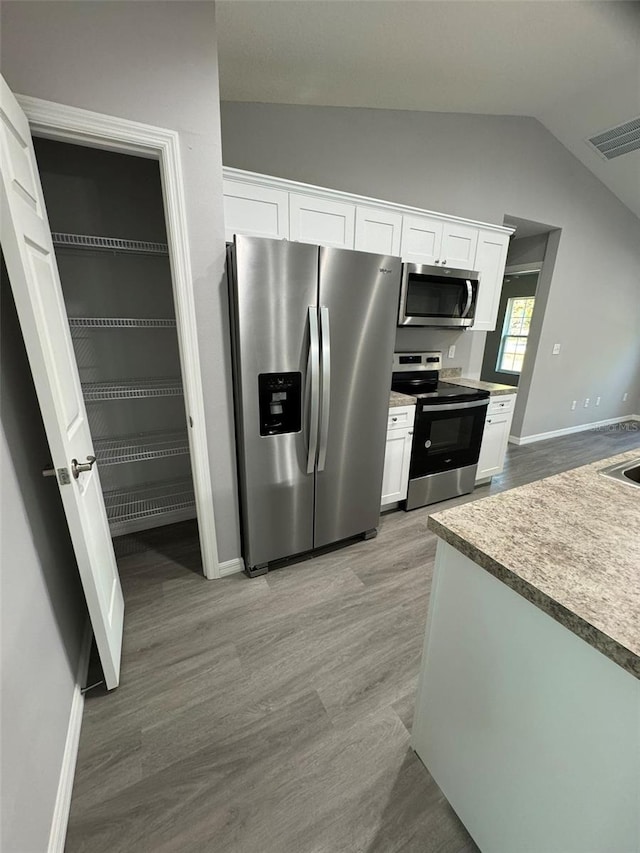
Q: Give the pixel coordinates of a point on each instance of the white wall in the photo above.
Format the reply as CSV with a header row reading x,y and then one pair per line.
x,y
154,62
43,610
483,167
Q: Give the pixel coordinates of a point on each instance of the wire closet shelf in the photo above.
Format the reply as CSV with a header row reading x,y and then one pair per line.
x,y
120,323
108,244
125,389
137,448
148,500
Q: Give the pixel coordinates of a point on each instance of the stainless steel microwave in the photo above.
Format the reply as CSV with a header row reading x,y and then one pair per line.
x,y
437,296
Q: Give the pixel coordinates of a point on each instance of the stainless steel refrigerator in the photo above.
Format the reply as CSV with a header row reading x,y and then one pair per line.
x,y
313,333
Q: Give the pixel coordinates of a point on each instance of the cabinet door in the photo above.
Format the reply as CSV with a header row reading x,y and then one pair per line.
x,y
491,257
255,211
421,239
395,480
495,439
378,231
321,221
459,244
494,442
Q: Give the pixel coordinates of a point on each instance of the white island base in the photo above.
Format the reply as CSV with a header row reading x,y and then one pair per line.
x,y
531,733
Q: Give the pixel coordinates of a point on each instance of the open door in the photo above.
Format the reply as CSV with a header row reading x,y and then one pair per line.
x,y
33,272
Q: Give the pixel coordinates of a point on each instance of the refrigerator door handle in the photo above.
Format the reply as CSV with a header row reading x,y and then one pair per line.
x,y
313,387
326,386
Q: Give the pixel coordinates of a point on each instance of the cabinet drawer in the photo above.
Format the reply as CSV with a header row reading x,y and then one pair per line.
x,y
401,417
501,404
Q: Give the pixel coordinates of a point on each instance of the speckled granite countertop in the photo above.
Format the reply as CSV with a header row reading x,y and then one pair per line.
x,y
397,399
495,389
570,544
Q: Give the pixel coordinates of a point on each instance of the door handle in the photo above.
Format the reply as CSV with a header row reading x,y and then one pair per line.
x,y
313,369
326,386
78,467
469,298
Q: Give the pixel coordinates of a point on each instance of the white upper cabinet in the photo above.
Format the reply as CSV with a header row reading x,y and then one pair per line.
x,y
459,243
320,220
436,241
421,239
287,210
491,257
378,231
254,210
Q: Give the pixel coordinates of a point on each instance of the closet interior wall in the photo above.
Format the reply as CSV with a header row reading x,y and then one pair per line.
x,y
107,216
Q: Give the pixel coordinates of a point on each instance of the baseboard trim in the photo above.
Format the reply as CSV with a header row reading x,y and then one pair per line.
x,y
556,433
62,807
231,567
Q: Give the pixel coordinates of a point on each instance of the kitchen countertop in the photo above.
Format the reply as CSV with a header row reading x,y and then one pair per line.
x,y
397,399
570,545
495,389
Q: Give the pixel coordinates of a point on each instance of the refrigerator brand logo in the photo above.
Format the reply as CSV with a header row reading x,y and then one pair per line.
x,y
385,270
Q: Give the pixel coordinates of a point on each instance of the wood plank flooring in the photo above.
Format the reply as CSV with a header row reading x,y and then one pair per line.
x,y
272,715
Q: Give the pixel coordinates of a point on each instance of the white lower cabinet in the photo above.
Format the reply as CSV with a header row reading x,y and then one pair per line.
x,y
496,436
397,457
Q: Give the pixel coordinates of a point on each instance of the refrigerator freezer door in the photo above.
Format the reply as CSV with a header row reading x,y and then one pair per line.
x,y
360,292
273,284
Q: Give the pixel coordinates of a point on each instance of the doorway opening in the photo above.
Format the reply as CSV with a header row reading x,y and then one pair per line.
x,y
510,350
107,218
506,347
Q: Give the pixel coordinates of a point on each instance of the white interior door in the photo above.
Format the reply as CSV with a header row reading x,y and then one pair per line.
x,y
32,268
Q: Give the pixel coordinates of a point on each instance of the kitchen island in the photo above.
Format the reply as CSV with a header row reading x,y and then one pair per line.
x,y
528,705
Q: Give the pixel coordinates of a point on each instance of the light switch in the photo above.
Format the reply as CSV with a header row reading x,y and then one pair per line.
x,y
452,351
556,349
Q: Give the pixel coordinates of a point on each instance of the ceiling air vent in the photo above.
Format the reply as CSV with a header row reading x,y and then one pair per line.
x,y
619,140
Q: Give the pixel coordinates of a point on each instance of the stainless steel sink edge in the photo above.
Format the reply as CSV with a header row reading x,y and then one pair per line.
x,y
621,472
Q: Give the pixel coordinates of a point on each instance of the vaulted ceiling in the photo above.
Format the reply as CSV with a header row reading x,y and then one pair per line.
x,y
572,64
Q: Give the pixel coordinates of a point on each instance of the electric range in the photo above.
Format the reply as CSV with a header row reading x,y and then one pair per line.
x,y
447,432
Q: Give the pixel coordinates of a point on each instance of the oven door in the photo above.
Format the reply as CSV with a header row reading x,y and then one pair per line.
x,y
437,296
447,436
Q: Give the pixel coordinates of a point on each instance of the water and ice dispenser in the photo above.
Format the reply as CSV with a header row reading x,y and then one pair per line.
x,y
280,402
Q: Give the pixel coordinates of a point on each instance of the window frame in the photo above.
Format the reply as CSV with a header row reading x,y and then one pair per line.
x,y
504,336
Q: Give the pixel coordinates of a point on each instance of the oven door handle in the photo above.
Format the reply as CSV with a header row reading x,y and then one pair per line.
x,y
449,407
465,310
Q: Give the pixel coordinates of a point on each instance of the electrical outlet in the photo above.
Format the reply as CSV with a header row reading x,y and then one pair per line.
x,y
556,349
598,401
624,397
586,403
573,405
452,351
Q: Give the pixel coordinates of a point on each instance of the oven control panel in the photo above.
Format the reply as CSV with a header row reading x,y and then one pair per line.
x,y
405,361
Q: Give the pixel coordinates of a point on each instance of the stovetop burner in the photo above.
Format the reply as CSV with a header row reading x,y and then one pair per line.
x,y
417,374
433,391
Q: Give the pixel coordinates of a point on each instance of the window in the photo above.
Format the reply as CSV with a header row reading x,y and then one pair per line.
x,y
513,344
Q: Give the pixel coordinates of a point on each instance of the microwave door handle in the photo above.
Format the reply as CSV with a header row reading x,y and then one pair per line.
x,y
469,299
313,387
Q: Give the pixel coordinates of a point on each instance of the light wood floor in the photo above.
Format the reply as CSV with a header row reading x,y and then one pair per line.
x,y
272,715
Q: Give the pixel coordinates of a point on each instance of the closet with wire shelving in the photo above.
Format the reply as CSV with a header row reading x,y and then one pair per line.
x,y
106,216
